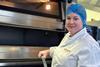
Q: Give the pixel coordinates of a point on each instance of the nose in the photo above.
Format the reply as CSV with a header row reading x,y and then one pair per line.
x,y
71,21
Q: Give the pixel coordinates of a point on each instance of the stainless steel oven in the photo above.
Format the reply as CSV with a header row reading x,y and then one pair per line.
x,y
21,56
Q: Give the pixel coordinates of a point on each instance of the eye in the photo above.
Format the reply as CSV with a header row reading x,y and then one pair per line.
x,y
68,18
75,18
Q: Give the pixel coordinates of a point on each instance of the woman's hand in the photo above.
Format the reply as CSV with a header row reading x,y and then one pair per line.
x,y
44,53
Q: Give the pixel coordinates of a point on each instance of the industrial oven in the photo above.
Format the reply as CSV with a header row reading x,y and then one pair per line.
x,y
21,56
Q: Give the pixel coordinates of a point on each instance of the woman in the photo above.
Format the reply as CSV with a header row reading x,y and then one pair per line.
x,y
78,48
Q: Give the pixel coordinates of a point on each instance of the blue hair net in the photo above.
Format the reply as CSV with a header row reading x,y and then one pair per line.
x,y
79,10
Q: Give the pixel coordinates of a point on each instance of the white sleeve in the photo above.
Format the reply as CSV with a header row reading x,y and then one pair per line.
x,y
52,50
88,58
90,65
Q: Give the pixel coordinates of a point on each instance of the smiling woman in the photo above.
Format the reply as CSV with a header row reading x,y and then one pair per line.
x,y
77,48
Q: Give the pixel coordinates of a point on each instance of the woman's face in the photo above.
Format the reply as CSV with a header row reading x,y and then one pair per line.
x,y
73,23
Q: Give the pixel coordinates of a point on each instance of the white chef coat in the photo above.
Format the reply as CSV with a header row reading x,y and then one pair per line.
x,y
80,50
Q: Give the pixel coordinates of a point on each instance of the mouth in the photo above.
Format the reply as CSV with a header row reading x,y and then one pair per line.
x,y
71,26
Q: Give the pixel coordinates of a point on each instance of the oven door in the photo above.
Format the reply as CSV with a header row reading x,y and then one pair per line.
x,y
21,56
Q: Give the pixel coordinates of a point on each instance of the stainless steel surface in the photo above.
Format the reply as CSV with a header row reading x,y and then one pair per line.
x,y
28,1
28,21
19,63
16,52
20,55
8,64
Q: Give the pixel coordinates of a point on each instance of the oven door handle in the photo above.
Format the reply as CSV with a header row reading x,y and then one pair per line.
x,y
44,62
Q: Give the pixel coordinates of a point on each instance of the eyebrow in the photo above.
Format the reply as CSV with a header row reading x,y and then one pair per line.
x,y
74,16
